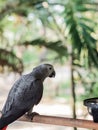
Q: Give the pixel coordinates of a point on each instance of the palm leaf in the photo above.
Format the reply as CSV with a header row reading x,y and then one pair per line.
x,y
80,30
9,59
55,46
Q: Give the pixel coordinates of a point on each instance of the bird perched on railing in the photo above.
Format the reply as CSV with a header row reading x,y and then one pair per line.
x,y
26,92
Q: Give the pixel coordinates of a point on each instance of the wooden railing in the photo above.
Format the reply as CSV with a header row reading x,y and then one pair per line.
x,y
61,121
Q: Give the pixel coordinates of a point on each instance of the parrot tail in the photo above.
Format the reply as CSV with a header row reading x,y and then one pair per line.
x,y
3,124
4,128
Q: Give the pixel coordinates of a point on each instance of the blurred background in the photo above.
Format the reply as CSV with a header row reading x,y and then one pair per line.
x,y
62,33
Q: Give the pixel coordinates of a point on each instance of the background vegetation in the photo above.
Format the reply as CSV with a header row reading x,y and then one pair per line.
x,y
60,32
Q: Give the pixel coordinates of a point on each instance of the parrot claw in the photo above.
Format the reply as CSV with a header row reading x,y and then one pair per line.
x,y
31,116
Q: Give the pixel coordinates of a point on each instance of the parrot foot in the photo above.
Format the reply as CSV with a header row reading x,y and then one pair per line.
x,y
31,116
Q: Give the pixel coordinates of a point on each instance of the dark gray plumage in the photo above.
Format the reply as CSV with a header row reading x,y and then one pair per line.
x,y
25,93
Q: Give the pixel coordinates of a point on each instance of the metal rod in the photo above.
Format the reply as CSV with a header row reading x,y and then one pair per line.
x,y
61,121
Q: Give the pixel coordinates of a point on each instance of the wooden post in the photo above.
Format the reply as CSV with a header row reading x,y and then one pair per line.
x,y
61,121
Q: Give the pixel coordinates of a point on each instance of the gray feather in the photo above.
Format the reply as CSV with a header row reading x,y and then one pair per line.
x,y
26,92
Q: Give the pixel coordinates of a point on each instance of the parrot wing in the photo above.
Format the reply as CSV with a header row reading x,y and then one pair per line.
x,y
22,97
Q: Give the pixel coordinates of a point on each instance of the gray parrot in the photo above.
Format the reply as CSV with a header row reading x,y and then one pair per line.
x,y
26,92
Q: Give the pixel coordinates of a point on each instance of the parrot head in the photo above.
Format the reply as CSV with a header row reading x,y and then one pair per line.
x,y
50,70
44,70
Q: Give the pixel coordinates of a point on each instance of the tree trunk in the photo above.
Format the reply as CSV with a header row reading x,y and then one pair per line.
x,y
73,90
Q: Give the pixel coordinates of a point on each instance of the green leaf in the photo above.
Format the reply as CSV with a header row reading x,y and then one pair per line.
x,y
55,46
86,27
9,59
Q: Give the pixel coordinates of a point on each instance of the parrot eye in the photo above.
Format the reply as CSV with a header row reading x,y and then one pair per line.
x,y
50,68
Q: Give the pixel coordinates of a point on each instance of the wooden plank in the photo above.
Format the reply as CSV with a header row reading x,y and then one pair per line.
x,y
61,121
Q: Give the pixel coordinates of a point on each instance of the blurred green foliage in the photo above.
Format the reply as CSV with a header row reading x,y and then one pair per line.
x,y
52,30
64,91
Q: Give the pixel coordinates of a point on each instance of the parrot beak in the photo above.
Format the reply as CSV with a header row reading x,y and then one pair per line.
x,y
52,74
